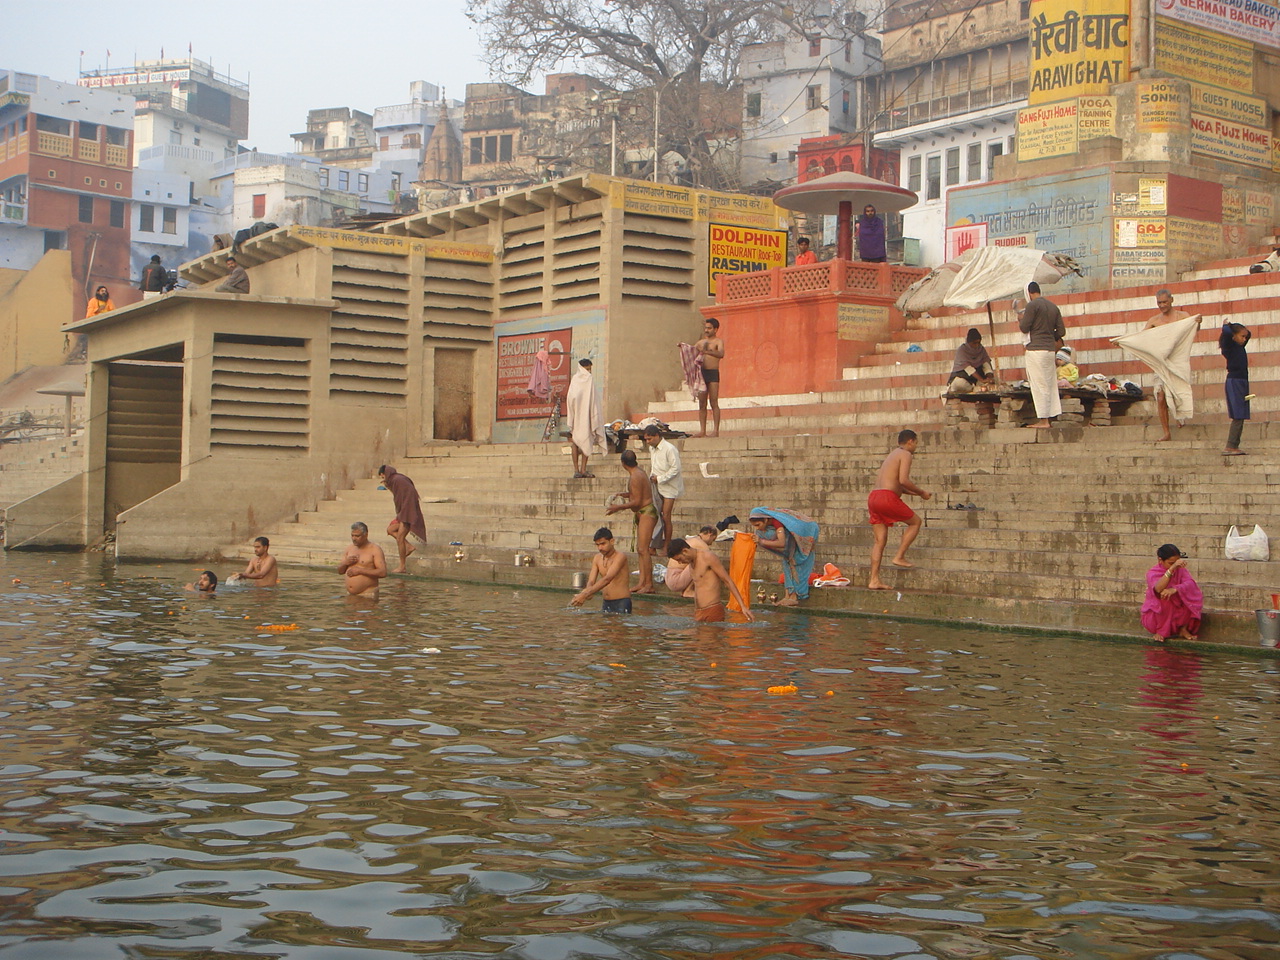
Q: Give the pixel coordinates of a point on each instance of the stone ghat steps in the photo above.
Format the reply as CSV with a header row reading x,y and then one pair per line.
x,y
29,467
892,385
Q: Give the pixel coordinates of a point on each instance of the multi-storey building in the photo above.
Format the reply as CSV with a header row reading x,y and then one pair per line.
x,y
187,118
798,89
401,134
338,137
955,76
66,179
512,138
289,189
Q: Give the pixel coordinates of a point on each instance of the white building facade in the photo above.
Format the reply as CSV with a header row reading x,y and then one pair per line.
x,y
797,89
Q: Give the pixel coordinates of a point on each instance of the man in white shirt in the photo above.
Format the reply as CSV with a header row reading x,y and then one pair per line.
x,y
664,470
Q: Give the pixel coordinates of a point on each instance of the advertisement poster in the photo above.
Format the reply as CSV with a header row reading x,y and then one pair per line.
x,y
1230,141
733,250
1203,57
964,237
516,353
1096,117
1257,21
1047,131
1078,47
1161,104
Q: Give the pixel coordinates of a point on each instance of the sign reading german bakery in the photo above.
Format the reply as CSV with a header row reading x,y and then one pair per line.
x,y
1078,47
1255,20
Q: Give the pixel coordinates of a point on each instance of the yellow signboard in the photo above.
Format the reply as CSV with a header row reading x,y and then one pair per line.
x,y
1215,102
397,246
1047,131
1161,104
1096,117
1077,47
685,203
1230,141
734,249
1203,56
1152,195
861,321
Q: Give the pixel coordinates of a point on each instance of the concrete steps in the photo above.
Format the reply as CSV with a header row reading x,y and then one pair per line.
x,y
892,386
28,467
1065,535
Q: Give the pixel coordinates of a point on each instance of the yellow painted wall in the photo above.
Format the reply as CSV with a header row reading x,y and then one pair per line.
x,y
34,304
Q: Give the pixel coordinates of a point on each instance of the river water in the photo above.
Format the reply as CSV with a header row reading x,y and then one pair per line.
x,y
459,771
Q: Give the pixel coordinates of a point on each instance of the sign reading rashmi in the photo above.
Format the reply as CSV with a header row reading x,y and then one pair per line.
x,y
1078,47
735,250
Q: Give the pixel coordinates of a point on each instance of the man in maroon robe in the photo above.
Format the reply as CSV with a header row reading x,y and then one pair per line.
x,y
409,518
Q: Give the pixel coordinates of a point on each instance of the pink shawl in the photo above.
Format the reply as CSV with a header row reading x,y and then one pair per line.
x,y
691,363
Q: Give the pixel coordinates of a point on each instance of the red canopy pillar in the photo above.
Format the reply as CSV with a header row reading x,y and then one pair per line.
x,y
844,231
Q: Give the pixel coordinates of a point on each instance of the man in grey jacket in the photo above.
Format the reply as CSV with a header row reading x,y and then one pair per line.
x,y
237,281
1041,321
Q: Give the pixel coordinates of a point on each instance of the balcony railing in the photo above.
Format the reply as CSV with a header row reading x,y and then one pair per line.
x,y
90,150
53,144
117,156
902,115
13,212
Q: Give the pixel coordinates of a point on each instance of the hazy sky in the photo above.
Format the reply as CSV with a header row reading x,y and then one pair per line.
x,y
295,55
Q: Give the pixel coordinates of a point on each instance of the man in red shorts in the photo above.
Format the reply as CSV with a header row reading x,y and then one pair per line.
x,y
886,508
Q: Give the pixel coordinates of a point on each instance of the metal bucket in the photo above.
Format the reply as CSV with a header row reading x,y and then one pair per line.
x,y
580,583
1268,627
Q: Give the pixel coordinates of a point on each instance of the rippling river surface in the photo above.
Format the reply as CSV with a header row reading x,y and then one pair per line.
x,y
466,771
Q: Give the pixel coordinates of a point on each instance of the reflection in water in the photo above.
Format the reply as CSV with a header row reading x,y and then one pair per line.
x,y
177,783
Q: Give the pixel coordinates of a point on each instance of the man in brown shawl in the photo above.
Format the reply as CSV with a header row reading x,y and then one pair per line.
x,y
408,519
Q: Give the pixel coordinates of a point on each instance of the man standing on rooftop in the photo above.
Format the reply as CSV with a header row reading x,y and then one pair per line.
x,y
871,247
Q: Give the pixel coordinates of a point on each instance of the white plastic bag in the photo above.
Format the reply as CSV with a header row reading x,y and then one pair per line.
x,y
1251,547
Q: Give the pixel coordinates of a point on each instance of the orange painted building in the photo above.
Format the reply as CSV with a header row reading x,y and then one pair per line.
x,y
66,180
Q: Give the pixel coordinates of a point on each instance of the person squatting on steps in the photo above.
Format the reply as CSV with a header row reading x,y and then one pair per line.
x,y
1174,602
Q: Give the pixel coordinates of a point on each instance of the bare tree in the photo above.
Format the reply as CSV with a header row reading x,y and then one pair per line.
x,y
678,49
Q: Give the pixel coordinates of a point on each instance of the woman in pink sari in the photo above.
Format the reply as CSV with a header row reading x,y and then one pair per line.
x,y
1174,601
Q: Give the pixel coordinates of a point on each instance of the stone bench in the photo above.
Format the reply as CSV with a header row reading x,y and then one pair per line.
x,y
1079,405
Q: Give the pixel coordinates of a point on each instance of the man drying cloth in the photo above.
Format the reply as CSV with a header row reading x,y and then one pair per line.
x,y
1166,349
582,415
409,518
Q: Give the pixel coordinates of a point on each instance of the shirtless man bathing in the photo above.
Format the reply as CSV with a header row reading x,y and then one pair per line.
x,y
886,508
262,569
639,494
708,574
364,564
609,576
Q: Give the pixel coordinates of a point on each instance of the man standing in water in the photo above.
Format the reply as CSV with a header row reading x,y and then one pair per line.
x,y
712,349
708,574
886,508
408,518
364,564
608,576
262,568
640,501
1166,314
